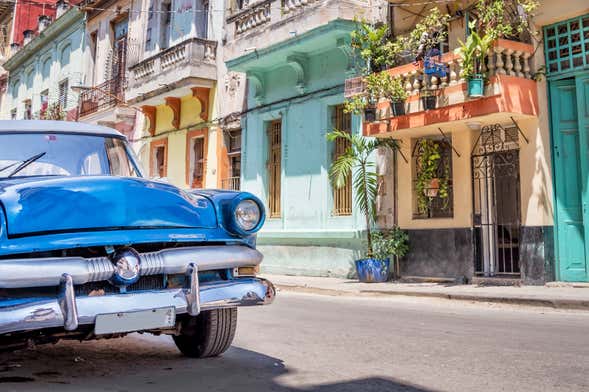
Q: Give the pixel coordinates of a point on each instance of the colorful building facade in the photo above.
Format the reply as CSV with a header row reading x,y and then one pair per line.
x,y
296,59
566,57
498,220
172,82
46,66
108,45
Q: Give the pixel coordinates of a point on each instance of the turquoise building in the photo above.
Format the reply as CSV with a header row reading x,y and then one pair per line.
x,y
294,98
43,70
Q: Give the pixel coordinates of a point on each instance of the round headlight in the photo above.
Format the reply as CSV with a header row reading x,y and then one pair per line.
x,y
247,215
127,263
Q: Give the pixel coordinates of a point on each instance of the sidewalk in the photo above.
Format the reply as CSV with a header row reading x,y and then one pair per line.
x,y
554,295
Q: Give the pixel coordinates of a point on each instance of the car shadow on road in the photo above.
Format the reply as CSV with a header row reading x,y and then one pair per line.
x,y
153,364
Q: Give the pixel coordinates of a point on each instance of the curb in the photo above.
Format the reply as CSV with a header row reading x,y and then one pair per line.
x,y
568,304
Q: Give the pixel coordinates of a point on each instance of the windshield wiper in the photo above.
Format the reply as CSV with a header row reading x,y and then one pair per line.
x,y
26,163
8,166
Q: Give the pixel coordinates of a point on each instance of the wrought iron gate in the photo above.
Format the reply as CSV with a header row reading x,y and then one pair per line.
x,y
496,202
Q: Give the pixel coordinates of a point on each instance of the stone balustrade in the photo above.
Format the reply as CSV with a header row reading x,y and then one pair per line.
x,y
191,50
293,5
259,13
192,58
250,18
505,58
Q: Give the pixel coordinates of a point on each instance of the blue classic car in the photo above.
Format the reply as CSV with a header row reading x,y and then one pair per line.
x,y
89,248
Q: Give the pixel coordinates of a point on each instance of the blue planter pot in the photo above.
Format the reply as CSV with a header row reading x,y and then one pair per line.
x,y
373,270
475,87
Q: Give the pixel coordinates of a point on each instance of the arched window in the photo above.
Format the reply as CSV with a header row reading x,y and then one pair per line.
x,y
46,70
64,56
14,89
30,78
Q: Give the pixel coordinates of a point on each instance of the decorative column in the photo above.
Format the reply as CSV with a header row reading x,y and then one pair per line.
x,y
416,82
452,68
517,67
509,62
491,62
499,61
527,70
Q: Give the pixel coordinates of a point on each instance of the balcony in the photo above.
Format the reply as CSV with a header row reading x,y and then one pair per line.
x,y
102,97
191,62
259,24
511,92
231,184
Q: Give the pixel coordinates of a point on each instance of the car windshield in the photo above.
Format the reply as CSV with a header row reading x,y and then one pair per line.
x,y
55,154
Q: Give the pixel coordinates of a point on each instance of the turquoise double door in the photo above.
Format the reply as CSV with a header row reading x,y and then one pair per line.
x,y
570,135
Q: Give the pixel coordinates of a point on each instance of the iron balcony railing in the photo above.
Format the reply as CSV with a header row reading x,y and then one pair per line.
x,y
231,183
103,96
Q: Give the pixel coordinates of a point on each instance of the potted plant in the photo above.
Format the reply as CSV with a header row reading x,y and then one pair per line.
x,y
394,91
355,164
473,53
428,99
495,20
429,182
387,244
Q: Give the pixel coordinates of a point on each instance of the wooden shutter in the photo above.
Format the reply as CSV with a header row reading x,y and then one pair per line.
x,y
199,162
342,197
274,167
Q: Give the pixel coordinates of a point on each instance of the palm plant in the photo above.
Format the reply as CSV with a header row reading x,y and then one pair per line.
x,y
355,163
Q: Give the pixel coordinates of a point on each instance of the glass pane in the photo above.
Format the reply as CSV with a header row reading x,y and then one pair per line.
x,y
563,41
563,29
574,25
551,43
575,37
554,67
577,61
552,55
586,22
550,32
564,52
564,65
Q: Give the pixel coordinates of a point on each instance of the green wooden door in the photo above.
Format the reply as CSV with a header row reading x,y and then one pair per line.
x,y
570,119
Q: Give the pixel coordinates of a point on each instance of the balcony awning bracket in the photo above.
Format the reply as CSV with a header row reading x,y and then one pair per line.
x,y
448,142
520,130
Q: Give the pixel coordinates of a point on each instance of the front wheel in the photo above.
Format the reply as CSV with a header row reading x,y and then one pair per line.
x,y
207,335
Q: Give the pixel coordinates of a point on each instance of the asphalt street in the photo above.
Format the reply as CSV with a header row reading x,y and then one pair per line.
x,y
328,344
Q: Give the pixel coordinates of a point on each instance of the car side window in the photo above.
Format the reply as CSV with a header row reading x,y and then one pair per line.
x,y
118,158
92,165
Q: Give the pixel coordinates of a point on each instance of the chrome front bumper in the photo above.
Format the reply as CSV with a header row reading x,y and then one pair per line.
x,y
69,312
47,272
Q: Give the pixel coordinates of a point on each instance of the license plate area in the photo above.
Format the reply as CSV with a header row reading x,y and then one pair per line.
x,y
135,321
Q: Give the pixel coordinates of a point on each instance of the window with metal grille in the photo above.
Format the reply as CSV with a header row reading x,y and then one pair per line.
x,y
233,143
63,94
198,162
437,197
342,197
274,167
566,45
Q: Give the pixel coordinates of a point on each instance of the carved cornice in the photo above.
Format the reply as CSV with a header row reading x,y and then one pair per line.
x,y
202,95
257,81
149,112
344,44
299,63
176,105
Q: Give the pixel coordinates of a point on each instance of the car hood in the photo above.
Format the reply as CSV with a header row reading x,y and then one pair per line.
x,y
74,204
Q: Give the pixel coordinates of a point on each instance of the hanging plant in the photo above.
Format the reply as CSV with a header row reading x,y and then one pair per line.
x,y
430,182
